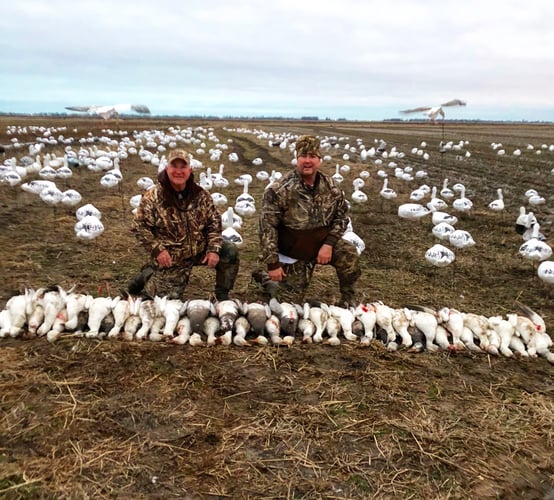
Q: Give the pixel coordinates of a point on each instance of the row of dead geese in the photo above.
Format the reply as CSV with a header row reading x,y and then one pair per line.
x,y
55,313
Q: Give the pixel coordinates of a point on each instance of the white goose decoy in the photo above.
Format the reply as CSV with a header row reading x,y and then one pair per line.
x,y
88,210
36,186
145,183
245,208
439,255
461,239
546,271
443,230
417,194
446,192
88,228
109,181
358,196
134,201
498,204
412,211
386,192
436,203
525,223
262,175
536,200
219,199
462,204
51,196
337,176
437,217
230,219
232,235
535,249
245,196
353,238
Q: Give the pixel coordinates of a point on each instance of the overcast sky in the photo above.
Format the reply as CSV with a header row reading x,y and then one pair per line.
x,y
359,59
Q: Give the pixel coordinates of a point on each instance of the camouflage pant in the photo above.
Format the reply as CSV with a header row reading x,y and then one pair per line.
x,y
172,281
345,260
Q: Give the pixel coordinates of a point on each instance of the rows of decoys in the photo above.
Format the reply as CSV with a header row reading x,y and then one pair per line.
x,y
104,155
54,313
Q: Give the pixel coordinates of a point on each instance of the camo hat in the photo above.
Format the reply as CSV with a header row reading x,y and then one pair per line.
x,y
180,154
307,145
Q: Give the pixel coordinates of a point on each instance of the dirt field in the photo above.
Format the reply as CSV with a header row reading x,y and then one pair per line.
x,y
97,419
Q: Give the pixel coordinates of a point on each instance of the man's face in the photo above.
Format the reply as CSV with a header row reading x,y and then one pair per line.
x,y
178,172
307,165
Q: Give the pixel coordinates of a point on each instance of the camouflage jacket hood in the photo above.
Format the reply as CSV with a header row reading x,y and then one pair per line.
x,y
185,223
300,214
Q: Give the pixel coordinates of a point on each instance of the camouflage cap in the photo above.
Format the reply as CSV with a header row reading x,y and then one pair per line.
x,y
307,145
179,154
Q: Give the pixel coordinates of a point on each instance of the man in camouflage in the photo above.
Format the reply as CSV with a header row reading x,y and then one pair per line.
x,y
303,218
180,227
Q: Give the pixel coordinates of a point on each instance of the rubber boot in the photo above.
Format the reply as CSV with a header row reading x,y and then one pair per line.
x,y
226,271
270,287
137,284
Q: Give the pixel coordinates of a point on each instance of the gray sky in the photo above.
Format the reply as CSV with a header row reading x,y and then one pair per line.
x,y
360,59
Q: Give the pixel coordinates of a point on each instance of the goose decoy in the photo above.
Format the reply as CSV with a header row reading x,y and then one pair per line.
x,y
439,256
461,239
498,204
443,230
534,249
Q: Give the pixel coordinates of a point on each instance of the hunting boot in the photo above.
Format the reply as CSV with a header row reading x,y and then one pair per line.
x,y
270,287
226,270
348,296
137,284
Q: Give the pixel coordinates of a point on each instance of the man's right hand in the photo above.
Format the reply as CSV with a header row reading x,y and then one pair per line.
x,y
164,259
277,274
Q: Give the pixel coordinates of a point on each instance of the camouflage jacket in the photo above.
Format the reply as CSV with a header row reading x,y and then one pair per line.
x,y
185,229
296,219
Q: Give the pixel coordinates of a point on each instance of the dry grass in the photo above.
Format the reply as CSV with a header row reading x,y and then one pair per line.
x,y
92,419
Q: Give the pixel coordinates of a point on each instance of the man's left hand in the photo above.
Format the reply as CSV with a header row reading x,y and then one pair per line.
x,y
211,259
325,254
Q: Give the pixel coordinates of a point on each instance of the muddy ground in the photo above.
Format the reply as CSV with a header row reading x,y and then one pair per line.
x,y
85,418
